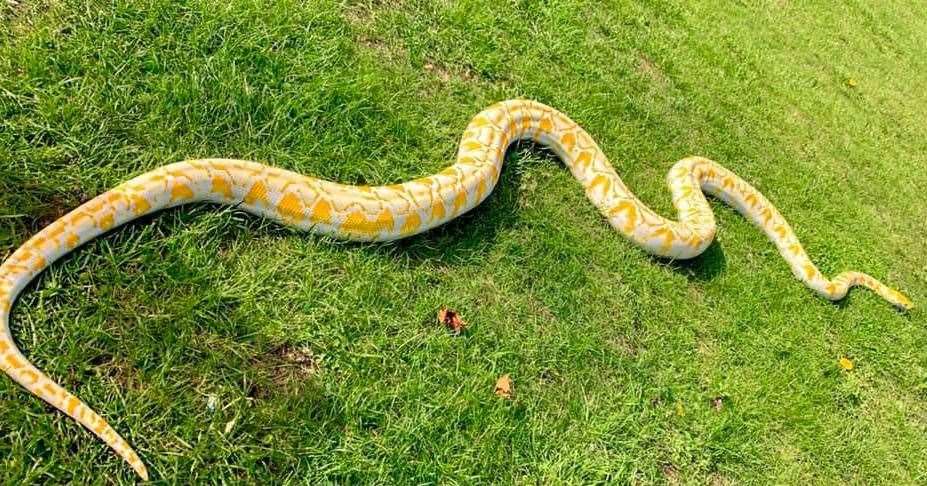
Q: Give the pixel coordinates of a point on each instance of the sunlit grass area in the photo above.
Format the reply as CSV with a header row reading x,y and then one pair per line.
x,y
229,349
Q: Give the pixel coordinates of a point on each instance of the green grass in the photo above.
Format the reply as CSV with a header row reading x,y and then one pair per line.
x,y
228,349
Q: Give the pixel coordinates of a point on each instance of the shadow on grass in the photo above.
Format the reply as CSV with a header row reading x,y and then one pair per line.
x,y
702,268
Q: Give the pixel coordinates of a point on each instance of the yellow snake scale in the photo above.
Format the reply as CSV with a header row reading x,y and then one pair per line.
x,y
383,213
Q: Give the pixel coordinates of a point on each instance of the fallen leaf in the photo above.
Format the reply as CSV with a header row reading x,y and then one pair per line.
x,y
451,319
229,425
504,386
846,364
717,403
851,82
679,409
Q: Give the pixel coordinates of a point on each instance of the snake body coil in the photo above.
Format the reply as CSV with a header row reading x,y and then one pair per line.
x,y
396,211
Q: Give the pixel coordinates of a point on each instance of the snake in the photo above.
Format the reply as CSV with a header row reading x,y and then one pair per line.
x,y
390,212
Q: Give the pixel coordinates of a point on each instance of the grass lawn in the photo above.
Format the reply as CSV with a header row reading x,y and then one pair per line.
x,y
226,348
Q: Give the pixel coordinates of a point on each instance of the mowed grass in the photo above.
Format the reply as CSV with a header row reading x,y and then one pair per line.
x,y
226,348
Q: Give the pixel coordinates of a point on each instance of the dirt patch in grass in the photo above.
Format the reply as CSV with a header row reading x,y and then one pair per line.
x,y
625,345
446,73
284,370
365,12
670,473
20,16
118,370
383,49
718,479
650,69
361,18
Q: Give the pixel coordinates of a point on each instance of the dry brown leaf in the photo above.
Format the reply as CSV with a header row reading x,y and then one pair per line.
x,y
717,403
451,319
504,386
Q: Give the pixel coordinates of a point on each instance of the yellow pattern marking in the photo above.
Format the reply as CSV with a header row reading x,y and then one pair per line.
x,y
140,205
810,271
599,181
13,362
413,221
220,185
546,125
290,206
437,210
471,145
568,141
629,209
106,221
322,212
459,201
358,223
583,160
257,193
181,192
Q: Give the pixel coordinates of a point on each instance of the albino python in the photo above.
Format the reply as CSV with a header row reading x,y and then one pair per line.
x,y
383,213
